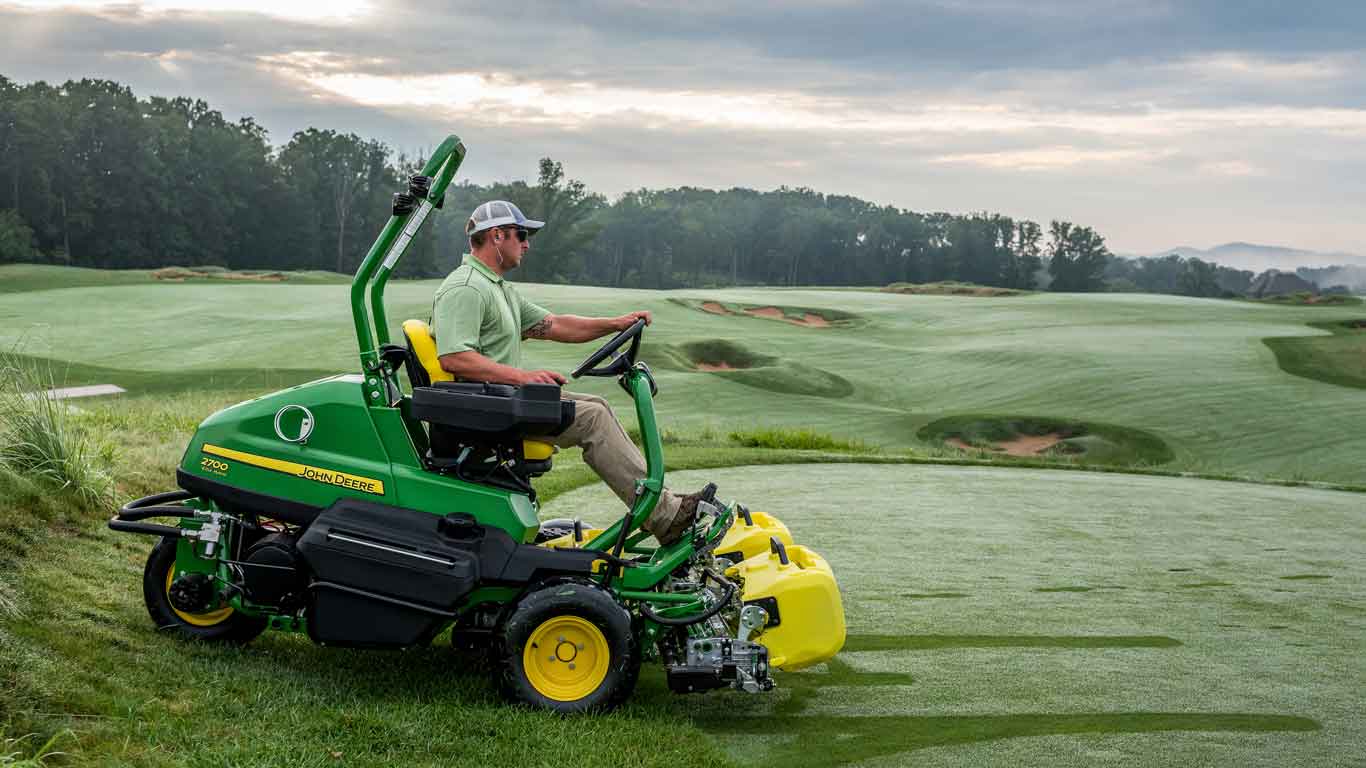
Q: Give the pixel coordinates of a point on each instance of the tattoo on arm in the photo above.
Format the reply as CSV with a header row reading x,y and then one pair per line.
x,y
540,330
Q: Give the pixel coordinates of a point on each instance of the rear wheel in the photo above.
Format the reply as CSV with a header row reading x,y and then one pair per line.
x,y
219,624
568,647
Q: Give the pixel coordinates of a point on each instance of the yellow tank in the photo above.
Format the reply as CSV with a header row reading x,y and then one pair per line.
x,y
810,626
745,540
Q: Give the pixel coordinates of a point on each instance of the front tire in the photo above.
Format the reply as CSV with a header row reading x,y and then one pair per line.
x,y
568,647
224,625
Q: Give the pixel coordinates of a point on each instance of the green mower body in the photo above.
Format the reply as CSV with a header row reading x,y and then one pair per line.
x,y
371,515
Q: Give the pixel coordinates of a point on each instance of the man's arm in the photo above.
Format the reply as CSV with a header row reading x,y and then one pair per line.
x,y
573,329
472,366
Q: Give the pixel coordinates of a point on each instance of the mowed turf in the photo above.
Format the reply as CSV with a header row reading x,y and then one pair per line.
x,y
1195,373
1005,617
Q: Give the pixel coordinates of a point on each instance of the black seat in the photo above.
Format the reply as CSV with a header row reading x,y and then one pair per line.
x,y
486,433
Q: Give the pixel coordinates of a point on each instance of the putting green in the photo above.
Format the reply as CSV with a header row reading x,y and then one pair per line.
x,y
1019,617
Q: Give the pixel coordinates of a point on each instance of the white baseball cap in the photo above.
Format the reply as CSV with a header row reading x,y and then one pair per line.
x,y
499,213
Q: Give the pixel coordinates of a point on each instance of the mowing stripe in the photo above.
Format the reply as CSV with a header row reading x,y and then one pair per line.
x,y
316,474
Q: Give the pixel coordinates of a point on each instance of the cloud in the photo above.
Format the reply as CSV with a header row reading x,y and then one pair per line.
x,y
1053,158
1230,168
303,10
1021,106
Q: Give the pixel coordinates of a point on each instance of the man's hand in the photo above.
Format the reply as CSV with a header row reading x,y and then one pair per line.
x,y
541,377
627,320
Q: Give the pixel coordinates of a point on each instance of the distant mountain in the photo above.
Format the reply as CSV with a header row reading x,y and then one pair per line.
x,y
1256,258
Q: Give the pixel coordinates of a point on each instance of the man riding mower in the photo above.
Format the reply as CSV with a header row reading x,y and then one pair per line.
x,y
480,319
369,517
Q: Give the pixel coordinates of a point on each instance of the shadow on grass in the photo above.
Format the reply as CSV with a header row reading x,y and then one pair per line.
x,y
808,740
1335,359
138,382
826,741
857,643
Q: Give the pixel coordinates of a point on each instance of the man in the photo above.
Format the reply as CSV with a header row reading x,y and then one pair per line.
x,y
479,320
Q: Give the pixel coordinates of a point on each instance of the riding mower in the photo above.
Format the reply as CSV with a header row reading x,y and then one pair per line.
x,y
368,517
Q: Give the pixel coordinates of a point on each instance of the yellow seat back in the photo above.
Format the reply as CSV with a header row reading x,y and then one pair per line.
x,y
422,341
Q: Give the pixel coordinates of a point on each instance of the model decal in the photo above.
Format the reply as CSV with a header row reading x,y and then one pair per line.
x,y
316,474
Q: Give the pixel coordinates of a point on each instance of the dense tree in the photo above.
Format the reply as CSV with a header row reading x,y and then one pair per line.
x,y
16,239
1076,258
93,176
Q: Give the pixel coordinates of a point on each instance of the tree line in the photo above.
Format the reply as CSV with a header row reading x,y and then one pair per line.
x,y
91,175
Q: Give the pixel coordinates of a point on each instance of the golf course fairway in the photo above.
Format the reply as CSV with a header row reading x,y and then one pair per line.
x,y
1011,617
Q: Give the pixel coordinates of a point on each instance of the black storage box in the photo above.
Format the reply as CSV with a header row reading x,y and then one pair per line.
x,y
384,576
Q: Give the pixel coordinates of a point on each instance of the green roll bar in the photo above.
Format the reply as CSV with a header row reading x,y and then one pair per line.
x,y
372,328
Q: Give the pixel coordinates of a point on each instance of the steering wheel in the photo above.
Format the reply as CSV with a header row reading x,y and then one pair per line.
x,y
622,362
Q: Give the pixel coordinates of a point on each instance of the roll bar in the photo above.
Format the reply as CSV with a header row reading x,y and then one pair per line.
x,y
372,329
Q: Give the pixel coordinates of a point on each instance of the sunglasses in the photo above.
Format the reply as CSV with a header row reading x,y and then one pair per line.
x,y
522,233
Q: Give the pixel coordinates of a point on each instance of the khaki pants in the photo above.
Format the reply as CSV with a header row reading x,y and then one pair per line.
x,y
610,452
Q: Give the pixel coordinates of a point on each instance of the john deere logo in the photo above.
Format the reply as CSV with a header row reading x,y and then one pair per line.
x,y
293,424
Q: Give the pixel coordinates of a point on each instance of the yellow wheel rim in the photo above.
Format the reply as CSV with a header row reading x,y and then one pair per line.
x,y
566,658
197,619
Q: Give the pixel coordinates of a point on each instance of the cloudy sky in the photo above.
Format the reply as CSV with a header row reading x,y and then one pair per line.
x,y
1159,122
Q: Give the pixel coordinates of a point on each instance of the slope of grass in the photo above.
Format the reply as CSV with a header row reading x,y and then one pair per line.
x,y
1337,359
1195,373
144,382
1078,607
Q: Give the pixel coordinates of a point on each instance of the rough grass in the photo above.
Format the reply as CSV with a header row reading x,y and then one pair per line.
x,y
797,439
1306,299
1337,359
40,439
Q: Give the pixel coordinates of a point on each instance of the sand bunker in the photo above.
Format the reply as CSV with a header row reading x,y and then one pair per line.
x,y
793,315
810,319
179,275
950,288
703,366
769,312
1024,445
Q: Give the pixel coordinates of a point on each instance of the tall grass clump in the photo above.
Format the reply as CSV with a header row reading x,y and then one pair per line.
x,y
798,439
25,752
39,438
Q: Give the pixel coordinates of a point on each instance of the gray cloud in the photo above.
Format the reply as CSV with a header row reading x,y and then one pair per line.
x,y
1159,122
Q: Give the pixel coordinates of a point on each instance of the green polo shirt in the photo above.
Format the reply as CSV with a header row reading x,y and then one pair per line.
x,y
476,309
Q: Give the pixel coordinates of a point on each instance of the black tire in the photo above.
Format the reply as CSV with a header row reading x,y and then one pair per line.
x,y
231,627
566,611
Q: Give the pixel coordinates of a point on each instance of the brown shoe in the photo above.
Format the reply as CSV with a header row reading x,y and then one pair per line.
x,y
670,531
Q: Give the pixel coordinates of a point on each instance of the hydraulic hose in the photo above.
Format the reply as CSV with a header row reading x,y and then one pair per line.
x,y
687,621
